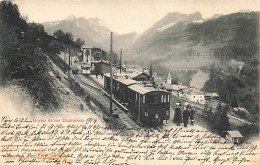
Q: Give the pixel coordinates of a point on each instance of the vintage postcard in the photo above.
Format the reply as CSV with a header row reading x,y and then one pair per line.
x,y
129,82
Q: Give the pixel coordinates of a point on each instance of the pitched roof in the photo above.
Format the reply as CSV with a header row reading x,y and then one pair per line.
x,y
127,81
135,74
139,89
234,134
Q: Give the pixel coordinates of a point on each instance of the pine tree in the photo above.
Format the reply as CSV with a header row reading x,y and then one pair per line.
x,y
221,119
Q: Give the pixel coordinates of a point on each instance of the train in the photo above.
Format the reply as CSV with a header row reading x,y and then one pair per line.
x,y
147,105
85,69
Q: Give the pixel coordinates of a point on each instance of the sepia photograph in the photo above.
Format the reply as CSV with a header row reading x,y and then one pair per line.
x,y
129,82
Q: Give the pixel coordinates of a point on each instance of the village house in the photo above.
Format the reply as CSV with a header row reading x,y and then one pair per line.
x,y
234,136
139,76
192,94
195,95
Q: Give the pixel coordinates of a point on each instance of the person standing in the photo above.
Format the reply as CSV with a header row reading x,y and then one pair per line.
x,y
192,112
177,114
186,115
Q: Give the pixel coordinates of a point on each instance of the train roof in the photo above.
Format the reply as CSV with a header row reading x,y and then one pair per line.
x,y
126,81
144,90
139,89
107,75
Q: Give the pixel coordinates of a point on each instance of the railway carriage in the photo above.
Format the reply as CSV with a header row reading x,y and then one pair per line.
x,y
148,105
122,88
115,84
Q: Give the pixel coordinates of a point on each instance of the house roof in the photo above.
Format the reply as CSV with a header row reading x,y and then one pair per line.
x,y
234,134
177,87
135,74
194,91
211,94
120,75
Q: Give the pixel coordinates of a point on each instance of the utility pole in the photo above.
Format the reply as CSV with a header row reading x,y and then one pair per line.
x,y
111,74
151,71
101,61
121,60
69,61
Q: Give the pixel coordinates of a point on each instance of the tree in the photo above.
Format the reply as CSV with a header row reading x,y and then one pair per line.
x,y
79,42
59,35
234,103
221,119
67,37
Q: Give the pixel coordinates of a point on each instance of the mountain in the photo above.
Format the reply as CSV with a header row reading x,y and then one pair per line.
x,y
121,41
168,21
93,31
180,41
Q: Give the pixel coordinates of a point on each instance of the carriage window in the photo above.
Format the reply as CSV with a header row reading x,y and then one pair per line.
x,y
143,99
161,98
168,98
164,96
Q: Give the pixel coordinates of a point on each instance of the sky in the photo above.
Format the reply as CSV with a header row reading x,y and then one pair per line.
x,y
124,16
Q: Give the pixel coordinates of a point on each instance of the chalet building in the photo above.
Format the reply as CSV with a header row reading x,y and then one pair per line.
x,y
196,96
139,76
192,95
234,136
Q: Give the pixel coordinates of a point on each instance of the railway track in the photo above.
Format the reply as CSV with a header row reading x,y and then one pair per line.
x,y
87,85
99,89
103,90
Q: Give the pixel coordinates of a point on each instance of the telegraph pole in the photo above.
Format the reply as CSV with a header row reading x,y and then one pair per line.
x,y
121,60
69,61
101,61
111,74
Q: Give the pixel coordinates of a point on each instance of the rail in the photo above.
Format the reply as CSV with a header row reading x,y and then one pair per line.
x,y
87,85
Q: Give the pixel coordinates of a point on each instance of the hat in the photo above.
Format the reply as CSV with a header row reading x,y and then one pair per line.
x,y
185,103
178,103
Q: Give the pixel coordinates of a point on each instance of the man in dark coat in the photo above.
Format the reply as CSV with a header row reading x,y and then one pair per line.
x,y
186,116
177,114
192,112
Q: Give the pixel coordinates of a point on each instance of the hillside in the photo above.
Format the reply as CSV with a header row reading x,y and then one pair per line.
x,y
27,56
188,41
226,47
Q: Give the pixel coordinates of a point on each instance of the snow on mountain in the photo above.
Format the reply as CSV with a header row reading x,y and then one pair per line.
x,y
166,26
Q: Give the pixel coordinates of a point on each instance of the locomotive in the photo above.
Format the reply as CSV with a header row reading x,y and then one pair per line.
x,y
147,105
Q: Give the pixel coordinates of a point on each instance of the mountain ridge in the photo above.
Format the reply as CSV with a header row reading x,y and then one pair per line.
x,y
93,31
